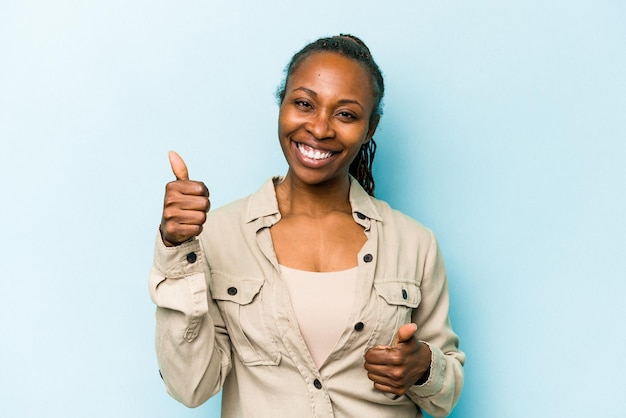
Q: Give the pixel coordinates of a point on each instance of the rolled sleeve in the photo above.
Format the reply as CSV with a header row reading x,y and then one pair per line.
x,y
438,395
177,279
191,341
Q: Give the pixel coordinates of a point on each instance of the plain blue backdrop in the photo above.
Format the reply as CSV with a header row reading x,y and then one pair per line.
x,y
504,131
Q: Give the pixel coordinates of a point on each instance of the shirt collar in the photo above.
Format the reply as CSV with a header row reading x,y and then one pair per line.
x,y
263,203
361,202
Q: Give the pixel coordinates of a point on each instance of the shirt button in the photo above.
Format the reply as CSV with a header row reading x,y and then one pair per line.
x,y
232,291
359,326
368,258
360,215
317,384
405,295
191,258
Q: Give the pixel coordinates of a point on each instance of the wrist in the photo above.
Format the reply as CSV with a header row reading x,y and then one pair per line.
x,y
427,354
165,241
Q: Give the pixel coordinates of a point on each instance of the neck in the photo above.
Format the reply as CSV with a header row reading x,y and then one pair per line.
x,y
296,198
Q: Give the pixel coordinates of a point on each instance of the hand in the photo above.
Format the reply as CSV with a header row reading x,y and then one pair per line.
x,y
185,205
395,369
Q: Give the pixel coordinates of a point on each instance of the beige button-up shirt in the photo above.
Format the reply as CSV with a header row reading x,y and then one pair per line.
x,y
225,320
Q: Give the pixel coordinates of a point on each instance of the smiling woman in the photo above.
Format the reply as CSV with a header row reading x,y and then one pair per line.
x,y
349,46
309,294
325,118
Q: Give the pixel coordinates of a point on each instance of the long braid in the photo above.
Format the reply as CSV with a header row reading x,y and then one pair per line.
x,y
361,167
354,48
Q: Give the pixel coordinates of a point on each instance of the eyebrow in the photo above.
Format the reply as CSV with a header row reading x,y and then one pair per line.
x,y
342,101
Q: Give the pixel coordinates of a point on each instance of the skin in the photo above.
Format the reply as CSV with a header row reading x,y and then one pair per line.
x,y
185,205
394,369
327,109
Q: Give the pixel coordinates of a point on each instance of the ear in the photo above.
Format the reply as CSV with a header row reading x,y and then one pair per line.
x,y
372,128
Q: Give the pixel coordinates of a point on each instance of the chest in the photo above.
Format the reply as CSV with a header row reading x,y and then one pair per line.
x,y
254,301
328,243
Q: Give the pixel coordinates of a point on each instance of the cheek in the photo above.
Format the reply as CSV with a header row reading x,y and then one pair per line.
x,y
288,122
284,121
355,134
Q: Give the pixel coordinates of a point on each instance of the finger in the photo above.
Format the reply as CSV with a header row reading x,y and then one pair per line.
x,y
405,333
179,168
177,201
177,188
184,217
383,355
397,391
385,383
383,380
376,369
196,203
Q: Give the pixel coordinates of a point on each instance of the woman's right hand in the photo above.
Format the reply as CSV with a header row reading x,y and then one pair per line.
x,y
185,205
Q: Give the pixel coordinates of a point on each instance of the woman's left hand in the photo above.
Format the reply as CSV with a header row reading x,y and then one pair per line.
x,y
396,368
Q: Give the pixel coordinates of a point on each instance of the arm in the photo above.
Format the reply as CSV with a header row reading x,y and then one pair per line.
x,y
438,394
424,362
192,345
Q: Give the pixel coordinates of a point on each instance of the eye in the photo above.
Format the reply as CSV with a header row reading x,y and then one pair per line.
x,y
347,116
302,104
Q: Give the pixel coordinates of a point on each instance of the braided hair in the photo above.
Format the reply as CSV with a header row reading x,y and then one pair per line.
x,y
354,48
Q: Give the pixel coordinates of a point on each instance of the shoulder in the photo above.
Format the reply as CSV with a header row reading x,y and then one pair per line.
x,y
259,204
400,226
231,210
391,222
394,218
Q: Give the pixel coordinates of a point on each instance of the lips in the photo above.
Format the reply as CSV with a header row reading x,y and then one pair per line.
x,y
313,153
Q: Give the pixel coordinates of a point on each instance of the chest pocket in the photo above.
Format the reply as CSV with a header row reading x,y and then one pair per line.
x,y
240,300
396,300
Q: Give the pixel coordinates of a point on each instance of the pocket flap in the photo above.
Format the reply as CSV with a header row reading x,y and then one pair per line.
x,y
399,293
241,290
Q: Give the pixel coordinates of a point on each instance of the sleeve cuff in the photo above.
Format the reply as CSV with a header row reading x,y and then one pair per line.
x,y
179,261
436,379
177,280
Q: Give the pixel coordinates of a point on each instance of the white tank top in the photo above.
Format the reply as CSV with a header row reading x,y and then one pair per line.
x,y
322,303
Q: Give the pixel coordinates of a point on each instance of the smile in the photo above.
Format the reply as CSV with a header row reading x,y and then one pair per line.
x,y
313,153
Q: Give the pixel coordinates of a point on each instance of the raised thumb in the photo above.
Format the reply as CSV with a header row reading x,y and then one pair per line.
x,y
405,333
179,168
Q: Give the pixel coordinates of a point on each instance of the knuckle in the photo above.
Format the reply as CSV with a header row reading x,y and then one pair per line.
x,y
169,213
395,357
192,231
172,185
170,199
397,374
170,230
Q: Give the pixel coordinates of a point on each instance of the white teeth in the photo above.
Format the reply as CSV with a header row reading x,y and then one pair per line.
x,y
313,154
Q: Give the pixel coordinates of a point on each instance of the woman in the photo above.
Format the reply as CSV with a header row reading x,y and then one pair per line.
x,y
309,298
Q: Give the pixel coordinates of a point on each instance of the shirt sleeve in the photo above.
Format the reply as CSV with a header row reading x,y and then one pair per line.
x,y
192,345
438,395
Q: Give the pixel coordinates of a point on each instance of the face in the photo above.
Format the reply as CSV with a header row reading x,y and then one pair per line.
x,y
325,118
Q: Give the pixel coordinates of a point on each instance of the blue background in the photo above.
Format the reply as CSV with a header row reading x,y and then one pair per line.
x,y
504,131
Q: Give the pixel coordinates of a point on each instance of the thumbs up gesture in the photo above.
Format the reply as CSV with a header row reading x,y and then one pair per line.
x,y
394,369
185,205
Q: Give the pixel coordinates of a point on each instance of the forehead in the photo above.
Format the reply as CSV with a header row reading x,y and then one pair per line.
x,y
332,70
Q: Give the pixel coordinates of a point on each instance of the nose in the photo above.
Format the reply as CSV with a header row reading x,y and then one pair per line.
x,y
320,125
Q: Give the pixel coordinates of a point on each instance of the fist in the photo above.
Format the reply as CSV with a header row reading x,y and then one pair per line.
x,y
185,205
394,369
